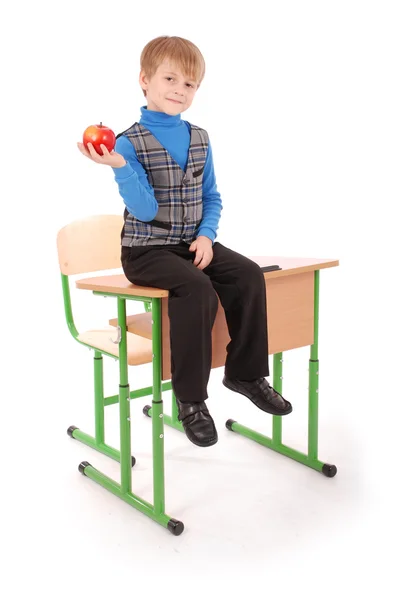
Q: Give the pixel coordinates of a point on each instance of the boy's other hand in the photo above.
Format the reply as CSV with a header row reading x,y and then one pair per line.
x,y
204,251
112,159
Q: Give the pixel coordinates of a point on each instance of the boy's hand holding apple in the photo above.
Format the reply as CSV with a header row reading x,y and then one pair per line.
x,y
98,143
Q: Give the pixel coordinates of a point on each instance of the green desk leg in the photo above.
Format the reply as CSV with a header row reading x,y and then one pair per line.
x,y
275,442
124,489
171,420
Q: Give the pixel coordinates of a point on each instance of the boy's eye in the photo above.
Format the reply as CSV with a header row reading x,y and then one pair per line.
x,y
170,78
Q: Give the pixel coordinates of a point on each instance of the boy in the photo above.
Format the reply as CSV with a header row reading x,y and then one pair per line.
x,y
164,170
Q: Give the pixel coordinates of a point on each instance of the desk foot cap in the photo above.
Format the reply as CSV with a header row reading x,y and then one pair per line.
x,y
71,429
146,410
82,466
230,423
175,527
329,470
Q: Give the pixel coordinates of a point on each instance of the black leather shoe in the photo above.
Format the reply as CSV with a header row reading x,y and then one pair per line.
x,y
197,422
261,394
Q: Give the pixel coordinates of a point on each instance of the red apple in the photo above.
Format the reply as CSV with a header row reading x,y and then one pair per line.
x,y
99,134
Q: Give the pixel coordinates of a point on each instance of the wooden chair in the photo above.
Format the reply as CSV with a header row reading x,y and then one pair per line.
x,y
93,244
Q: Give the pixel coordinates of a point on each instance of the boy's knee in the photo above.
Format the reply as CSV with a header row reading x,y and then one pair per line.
x,y
252,268
251,273
203,290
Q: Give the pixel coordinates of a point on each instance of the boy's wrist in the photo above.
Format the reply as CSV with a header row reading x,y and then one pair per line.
x,y
206,238
123,163
207,233
123,172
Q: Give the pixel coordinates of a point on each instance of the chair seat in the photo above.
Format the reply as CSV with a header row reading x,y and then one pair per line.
x,y
139,324
139,348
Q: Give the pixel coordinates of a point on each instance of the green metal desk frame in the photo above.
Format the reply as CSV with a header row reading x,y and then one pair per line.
x,y
123,490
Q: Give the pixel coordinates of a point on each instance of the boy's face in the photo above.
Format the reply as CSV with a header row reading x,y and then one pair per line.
x,y
169,90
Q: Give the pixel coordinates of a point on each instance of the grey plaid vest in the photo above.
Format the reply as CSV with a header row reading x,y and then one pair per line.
x,y
178,193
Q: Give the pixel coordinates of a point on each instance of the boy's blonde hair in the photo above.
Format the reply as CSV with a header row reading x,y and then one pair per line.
x,y
178,50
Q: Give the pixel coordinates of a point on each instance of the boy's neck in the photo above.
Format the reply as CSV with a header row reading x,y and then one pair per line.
x,y
156,117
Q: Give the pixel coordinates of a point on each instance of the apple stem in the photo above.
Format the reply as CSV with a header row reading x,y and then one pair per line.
x,y
100,124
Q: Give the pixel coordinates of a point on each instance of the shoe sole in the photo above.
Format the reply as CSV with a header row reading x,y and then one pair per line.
x,y
203,445
194,441
210,443
272,411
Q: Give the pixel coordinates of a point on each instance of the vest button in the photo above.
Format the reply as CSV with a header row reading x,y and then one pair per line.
x,y
185,181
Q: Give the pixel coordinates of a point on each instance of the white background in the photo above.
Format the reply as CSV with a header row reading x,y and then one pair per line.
x,y
302,104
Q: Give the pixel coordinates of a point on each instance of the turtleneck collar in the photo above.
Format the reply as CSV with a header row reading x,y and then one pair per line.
x,y
161,119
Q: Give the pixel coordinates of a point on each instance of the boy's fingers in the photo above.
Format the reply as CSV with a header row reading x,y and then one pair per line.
x,y
203,263
83,150
92,151
206,260
198,258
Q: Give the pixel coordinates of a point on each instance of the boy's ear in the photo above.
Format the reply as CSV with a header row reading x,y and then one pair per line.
x,y
143,80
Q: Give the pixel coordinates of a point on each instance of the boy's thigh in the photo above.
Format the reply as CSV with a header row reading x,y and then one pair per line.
x,y
227,263
157,267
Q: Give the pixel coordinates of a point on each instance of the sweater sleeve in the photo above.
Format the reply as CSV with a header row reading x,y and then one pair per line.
x,y
133,184
212,204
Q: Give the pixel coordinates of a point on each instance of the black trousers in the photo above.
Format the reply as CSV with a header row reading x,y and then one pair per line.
x,y
192,307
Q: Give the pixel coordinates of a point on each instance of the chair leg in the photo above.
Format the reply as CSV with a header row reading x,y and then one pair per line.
x,y
97,442
124,490
99,398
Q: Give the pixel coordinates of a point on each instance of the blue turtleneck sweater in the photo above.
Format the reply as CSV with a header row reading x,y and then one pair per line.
x,y
174,135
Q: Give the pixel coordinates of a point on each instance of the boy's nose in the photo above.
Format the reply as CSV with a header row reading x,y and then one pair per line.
x,y
180,90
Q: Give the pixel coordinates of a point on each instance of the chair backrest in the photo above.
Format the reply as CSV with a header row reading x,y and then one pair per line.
x,y
91,244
